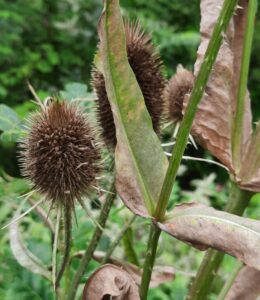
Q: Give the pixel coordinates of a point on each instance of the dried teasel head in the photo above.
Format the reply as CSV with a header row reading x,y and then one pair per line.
x,y
146,64
59,155
178,87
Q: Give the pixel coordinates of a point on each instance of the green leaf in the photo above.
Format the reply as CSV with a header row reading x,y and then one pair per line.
x,y
205,227
74,91
11,136
8,118
140,162
23,255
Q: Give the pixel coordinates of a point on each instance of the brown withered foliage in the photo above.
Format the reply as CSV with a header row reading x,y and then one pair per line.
x,y
59,155
205,227
110,282
145,61
177,88
246,285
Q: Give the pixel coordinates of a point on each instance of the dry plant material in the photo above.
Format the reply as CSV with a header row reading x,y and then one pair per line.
x,y
110,282
145,61
212,126
250,171
59,155
138,152
177,88
246,286
161,274
205,227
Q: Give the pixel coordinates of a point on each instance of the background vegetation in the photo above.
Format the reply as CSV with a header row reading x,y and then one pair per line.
x,y
52,44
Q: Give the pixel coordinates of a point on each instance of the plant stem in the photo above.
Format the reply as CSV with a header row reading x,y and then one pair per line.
x,y
237,130
183,135
149,260
195,98
237,203
93,243
230,281
67,243
117,240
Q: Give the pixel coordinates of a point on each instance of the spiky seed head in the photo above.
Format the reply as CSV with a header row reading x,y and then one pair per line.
x,y
177,88
146,64
59,155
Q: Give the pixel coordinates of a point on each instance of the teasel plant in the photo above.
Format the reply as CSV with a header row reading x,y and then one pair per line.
x,y
209,107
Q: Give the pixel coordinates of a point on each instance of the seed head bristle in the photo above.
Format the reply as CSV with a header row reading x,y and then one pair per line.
x,y
146,64
59,155
178,87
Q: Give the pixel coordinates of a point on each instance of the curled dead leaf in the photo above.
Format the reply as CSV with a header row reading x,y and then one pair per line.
x,y
246,285
204,227
161,274
110,281
212,127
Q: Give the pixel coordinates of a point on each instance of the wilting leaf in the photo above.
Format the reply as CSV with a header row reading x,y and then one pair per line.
x,y
246,286
23,255
212,126
110,281
205,227
8,118
138,152
160,274
240,20
250,170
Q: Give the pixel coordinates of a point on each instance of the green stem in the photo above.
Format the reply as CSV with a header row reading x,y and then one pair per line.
x,y
117,240
93,243
238,201
237,139
67,243
230,281
183,135
195,98
149,260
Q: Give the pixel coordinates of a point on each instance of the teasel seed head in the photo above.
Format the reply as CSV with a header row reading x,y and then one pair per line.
x,y
177,88
147,66
59,155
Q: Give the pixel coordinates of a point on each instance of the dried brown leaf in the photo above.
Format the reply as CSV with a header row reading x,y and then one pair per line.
x,y
160,274
205,227
249,175
110,280
237,49
212,126
246,286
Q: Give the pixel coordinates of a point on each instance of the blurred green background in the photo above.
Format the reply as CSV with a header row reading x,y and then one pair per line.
x,y
51,44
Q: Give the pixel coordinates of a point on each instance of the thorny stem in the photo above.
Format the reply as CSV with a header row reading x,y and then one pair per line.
x,y
67,244
229,282
117,240
237,203
93,243
183,135
242,87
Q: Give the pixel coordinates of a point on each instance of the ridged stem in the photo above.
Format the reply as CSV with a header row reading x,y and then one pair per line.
x,y
87,256
117,240
237,203
183,135
237,138
67,243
